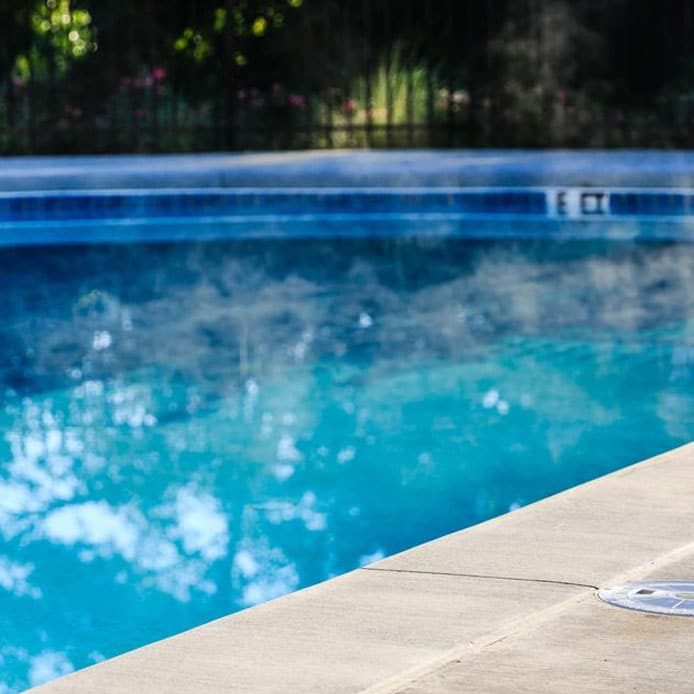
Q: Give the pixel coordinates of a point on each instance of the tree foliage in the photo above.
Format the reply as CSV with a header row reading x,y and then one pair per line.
x,y
503,68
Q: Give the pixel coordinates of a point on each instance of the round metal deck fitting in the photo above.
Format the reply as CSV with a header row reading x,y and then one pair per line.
x,y
657,597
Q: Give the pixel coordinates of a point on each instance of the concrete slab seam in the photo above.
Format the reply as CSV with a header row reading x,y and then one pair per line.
x,y
481,576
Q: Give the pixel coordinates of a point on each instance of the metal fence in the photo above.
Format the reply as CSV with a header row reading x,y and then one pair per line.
x,y
373,73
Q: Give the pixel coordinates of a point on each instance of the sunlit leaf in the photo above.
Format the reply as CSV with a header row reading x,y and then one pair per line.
x,y
259,26
220,19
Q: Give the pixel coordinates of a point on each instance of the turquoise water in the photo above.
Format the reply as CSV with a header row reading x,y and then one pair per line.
x,y
188,430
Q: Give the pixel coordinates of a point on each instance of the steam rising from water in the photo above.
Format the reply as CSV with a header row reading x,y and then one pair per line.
x,y
84,314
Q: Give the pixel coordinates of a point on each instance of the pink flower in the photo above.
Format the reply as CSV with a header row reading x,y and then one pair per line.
x,y
73,111
159,74
350,106
297,101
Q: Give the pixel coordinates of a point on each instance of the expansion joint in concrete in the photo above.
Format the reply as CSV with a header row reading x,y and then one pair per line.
x,y
481,576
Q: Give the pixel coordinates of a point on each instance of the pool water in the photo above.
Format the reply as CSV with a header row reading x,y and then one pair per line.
x,y
191,429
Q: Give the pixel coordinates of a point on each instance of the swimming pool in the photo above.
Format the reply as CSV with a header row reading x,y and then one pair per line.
x,y
191,429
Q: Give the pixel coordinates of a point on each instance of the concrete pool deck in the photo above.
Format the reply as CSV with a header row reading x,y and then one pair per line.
x,y
507,605
354,168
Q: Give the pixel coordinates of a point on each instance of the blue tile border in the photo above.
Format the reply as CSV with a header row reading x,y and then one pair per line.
x,y
553,202
209,203
68,216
